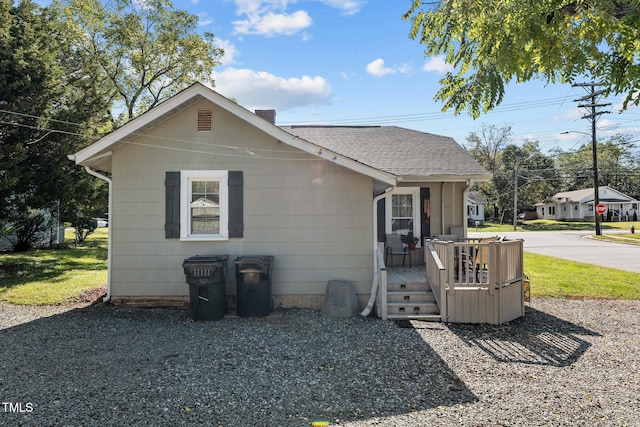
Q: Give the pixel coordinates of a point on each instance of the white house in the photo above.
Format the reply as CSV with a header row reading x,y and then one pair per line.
x,y
578,205
475,207
318,198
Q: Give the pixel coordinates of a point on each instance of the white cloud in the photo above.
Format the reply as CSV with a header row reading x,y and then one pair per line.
x,y
438,65
203,19
377,68
272,24
230,51
273,17
571,114
348,7
269,18
262,90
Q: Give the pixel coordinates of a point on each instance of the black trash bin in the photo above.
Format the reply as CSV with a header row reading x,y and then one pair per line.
x,y
207,277
253,285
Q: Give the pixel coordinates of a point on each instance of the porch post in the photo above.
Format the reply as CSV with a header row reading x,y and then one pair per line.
x,y
450,266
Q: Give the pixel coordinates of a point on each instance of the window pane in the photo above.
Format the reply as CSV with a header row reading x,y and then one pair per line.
x,y
401,213
205,207
401,226
402,205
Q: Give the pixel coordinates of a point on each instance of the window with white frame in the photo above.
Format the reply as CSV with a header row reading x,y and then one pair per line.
x,y
204,205
403,215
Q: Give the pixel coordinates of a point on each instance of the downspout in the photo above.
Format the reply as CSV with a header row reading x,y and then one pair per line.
x,y
109,230
442,208
374,284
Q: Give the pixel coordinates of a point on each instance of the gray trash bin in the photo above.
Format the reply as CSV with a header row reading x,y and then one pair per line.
x,y
207,277
253,285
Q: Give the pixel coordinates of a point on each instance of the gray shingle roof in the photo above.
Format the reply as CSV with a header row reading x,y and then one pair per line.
x,y
476,197
395,150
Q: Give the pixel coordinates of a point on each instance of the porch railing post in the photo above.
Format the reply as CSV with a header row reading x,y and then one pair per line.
x,y
450,266
444,315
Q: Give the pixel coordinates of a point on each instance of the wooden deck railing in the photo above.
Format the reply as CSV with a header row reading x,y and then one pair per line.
x,y
479,262
436,278
475,273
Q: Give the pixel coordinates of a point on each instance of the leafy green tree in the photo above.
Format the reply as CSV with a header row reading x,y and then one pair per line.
x,y
141,52
493,43
486,147
68,73
537,177
47,107
618,166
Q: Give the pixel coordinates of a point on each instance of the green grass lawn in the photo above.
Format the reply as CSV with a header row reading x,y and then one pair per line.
x,y
628,238
551,225
54,276
559,278
62,275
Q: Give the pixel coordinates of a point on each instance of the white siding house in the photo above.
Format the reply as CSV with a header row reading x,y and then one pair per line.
x,y
578,205
200,175
475,207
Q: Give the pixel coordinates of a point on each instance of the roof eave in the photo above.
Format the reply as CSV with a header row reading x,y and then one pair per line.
x,y
444,178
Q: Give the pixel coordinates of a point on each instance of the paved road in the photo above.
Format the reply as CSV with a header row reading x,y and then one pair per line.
x,y
577,246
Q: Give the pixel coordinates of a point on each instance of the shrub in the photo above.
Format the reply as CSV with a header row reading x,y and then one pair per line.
x,y
84,226
28,231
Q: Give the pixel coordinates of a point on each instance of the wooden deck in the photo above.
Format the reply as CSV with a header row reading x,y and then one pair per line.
x,y
415,274
475,281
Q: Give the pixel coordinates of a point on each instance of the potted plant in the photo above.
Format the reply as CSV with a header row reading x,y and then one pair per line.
x,y
409,240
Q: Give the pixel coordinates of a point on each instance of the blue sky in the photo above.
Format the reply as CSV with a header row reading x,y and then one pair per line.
x,y
352,62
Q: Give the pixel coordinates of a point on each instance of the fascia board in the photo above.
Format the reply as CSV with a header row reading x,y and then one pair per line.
x,y
444,178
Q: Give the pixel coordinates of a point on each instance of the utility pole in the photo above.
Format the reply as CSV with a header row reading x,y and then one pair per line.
x,y
592,116
515,195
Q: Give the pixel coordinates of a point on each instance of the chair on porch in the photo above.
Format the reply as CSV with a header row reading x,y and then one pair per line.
x,y
394,246
482,255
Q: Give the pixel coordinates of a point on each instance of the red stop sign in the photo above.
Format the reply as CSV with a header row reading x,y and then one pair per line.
x,y
601,208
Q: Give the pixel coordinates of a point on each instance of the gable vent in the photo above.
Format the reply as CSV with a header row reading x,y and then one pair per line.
x,y
205,121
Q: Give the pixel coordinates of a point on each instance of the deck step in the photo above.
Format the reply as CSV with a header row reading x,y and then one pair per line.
x,y
410,297
412,308
423,317
407,286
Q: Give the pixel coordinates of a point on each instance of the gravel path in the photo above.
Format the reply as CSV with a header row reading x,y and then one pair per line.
x,y
566,363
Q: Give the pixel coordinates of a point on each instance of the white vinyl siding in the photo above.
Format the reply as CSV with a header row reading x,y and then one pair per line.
x,y
314,216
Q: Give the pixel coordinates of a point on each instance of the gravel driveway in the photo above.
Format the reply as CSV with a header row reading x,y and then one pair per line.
x,y
566,363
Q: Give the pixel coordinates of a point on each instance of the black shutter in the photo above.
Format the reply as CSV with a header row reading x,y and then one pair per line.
x,y
172,186
236,200
425,213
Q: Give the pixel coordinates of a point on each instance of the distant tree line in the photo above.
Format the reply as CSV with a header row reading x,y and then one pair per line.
x,y
540,175
71,72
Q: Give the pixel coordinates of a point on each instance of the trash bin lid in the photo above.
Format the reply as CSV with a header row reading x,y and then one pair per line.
x,y
209,259
253,264
249,259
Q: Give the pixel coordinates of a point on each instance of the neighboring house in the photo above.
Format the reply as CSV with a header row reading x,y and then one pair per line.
x,y
52,234
475,207
200,175
578,205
